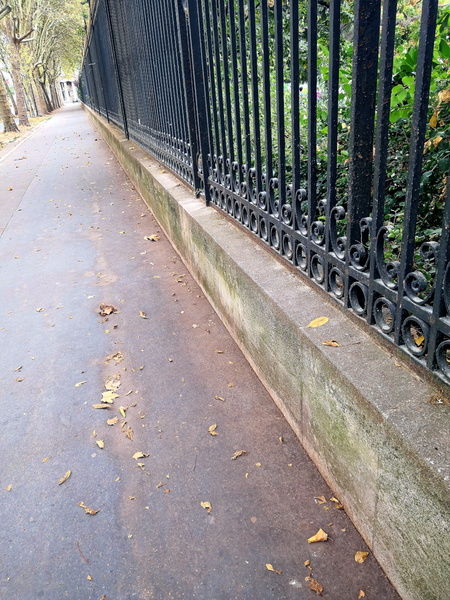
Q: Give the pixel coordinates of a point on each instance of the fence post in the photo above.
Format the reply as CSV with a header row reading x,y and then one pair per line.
x,y
191,55
116,65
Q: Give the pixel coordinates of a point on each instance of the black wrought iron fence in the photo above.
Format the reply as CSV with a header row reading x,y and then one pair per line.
x,y
322,127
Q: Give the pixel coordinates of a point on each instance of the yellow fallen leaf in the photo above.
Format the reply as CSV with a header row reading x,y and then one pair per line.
x,y
112,384
318,322
138,455
122,411
207,506
109,397
360,557
337,503
320,536
132,497
89,578
112,421
159,485
330,343
101,406
142,314
281,439
9,488
87,510
19,379
418,340
100,444
81,383
307,563
270,568
151,238
219,398
361,594
237,454
129,433
258,464
212,429
46,459
315,586
219,351
117,357
39,309
65,478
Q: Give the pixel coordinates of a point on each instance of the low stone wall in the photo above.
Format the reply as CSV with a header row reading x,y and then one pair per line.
x,y
365,419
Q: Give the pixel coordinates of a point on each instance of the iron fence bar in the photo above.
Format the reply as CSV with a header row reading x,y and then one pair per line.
x,y
199,75
237,97
255,103
364,78
381,145
267,176
116,67
419,123
280,183
245,100
230,157
330,237
303,253
221,147
295,111
99,69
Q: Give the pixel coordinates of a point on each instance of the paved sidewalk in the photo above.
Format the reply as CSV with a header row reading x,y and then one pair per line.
x,y
73,237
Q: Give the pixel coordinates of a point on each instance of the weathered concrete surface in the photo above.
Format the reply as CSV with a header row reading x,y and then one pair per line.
x,y
364,418
74,238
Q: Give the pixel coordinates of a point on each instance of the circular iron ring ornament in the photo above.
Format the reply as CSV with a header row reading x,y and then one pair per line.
x,y
443,357
416,334
301,257
336,281
317,268
288,249
359,294
384,312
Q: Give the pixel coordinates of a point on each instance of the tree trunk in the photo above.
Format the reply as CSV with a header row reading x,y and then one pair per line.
x,y
20,95
5,112
39,98
9,92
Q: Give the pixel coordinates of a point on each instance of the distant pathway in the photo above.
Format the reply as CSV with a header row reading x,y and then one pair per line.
x,y
73,237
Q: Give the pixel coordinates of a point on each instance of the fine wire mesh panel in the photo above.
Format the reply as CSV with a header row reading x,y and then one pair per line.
x,y
326,139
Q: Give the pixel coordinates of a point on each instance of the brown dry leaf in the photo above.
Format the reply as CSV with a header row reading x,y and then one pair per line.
x,y
109,397
81,383
258,464
143,315
151,238
281,440
117,357
219,398
318,322
360,557
321,499
87,510
100,444
19,379
89,578
320,536
212,429
129,433
315,586
138,455
361,594
237,454
270,568
9,488
307,563
112,421
207,506
159,485
39,309
219,351
132,497
330,343
65,478
112,384
101,406
106,309
122,410
103,597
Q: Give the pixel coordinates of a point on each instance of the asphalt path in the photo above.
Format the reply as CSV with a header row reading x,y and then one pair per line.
x,y
72,238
